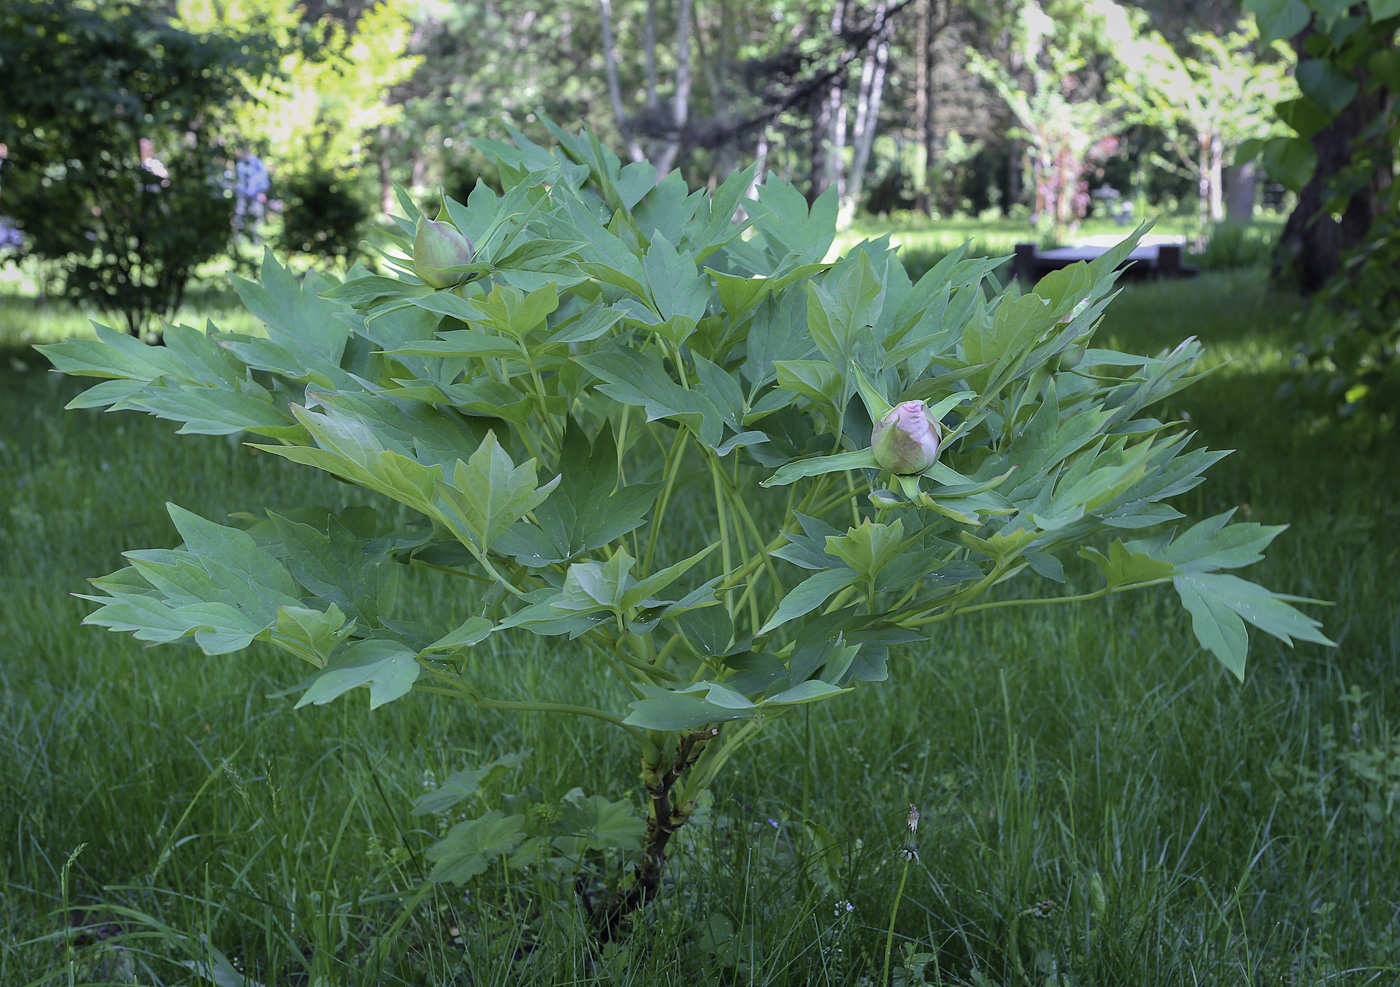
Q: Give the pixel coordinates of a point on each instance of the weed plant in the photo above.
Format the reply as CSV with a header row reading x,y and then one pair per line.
x,y
1101,803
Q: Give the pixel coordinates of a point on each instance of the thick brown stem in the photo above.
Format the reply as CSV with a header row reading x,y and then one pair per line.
x,y
664,817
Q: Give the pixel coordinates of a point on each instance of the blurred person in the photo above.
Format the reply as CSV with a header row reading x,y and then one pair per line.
x,y
250,185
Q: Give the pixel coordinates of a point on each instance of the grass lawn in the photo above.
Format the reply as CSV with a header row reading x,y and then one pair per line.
x,y
1102,804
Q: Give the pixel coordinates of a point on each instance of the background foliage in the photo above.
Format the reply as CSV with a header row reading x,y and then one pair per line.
x,y
85,87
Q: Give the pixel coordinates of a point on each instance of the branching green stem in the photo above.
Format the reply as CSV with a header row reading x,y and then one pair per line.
x,y
1037,601
671,468
463,691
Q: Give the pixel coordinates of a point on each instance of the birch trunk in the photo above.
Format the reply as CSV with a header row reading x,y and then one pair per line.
x,y
872,83
614,86
665,157
835,113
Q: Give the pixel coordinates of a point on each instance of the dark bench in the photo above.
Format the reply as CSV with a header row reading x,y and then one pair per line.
x,y
1153,260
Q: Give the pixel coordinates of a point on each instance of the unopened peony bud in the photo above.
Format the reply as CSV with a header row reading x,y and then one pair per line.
x,y
1072,357
905,441
438,246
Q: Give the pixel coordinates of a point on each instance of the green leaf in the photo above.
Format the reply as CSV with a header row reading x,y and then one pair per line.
x,y
1044,564
387,667
663,709
1326,84
1384,65
513,313
877,405
1219,630
799,469
596,585
488,493
1122,566
237,553
709,630
805,692
591,822
646,588
469,847
1290,161
1303,115
1278,19
1212,544
640,380
841,312
737,294
868,548
815,380
462,785
331,562
218,628
722,389
1217,602
788,228
469,634
311,328
587,510
677,287
350,449
809,594
1384,9
311,634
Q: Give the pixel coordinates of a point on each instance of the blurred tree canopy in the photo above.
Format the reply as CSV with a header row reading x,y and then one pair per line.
x,y
1208,102
935,105
329,92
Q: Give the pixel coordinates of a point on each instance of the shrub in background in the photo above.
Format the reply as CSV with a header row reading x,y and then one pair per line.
x,y
323,216
628,426
84,88
1237,245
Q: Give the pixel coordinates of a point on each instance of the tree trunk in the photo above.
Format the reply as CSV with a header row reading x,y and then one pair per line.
x,y
820,149
872,84
1239,187
614,86
760,172
1203,186
665,159
664,817
1013,173
923,102
835,113
1312,243
649,43
1217,182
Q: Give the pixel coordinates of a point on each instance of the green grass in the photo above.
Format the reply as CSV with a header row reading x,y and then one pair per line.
x,y
1102,805
26,320
1229,246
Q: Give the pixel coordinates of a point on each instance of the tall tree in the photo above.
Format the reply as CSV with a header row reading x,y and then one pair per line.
x,y
1059,101
1342,158
1342,241
1208,103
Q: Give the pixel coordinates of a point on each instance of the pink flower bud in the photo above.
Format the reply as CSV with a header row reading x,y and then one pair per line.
x,y
437,247
905,441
